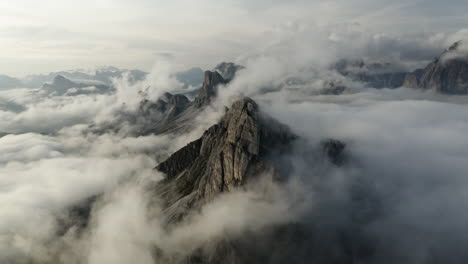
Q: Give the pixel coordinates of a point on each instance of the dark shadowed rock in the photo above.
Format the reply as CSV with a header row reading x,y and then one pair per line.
x,y
154,117
175,113
172,113
334,151
446,74
242,147
228,70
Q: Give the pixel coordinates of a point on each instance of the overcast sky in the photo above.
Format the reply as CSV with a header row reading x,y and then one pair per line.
x,y
50,35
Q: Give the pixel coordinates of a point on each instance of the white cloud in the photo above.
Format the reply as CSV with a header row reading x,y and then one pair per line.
x,y
53,35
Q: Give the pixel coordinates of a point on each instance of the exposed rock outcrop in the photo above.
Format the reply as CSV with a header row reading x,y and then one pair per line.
x,y
242,147
209,89
171,113
447,74
228,70
225,157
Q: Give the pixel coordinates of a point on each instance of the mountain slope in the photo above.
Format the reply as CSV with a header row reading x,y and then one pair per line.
x,y
225,157
446,74
172,113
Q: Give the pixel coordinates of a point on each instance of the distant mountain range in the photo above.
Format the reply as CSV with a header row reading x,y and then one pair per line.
x,y
172,113
447,74
100,76
63,86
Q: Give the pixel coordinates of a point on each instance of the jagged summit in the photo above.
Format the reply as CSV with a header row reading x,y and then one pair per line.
x,y
209,88
228,154
164,109
228,70
447,74
173,113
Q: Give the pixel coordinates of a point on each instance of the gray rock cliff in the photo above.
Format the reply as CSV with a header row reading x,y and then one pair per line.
x,y
224,158
447,74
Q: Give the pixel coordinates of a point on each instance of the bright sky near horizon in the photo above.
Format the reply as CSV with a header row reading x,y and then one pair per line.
x,y
52,35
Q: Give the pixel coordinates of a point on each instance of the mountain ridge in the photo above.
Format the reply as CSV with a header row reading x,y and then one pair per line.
x,y
448,73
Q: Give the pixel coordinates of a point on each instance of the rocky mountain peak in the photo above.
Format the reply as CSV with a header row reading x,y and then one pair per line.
x,y
164,109
229,154
209,89
212,78
227,70
446,74
455,46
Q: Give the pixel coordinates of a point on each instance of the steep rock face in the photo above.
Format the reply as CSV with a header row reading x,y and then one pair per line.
x,y
227,70
238,149
241,147
171,113
155,116
225,157
446,74
209,88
